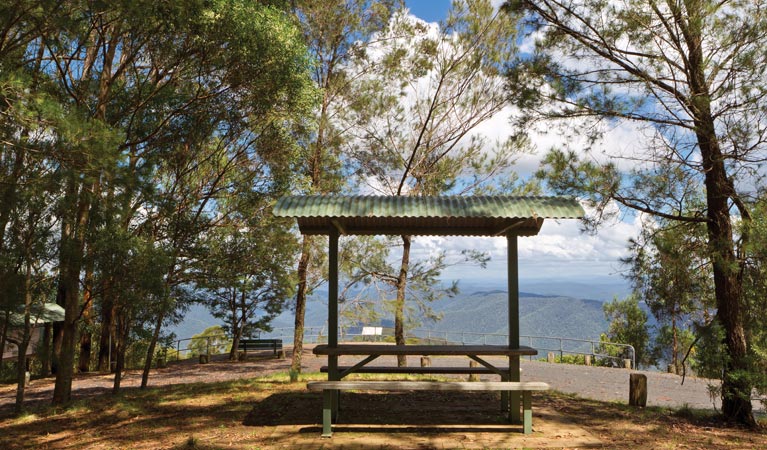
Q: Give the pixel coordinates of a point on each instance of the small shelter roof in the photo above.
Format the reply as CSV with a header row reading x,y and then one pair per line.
x,y
45,313
394,215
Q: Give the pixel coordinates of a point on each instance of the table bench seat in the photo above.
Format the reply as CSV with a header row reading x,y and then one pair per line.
x,y
260,344
329,388
433,370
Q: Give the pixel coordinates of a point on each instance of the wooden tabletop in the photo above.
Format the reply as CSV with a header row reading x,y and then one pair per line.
x,y
450,350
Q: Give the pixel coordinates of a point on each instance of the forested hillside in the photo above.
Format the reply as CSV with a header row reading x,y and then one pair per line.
x,y
486,312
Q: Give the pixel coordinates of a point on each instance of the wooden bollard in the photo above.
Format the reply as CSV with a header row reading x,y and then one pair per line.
x,y
638,390
281,354
627,364
425,361
587,359
550,357
204,359
473,376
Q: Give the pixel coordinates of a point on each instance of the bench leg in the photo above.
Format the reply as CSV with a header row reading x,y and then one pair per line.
x,y
327,412
504,395
514,400
527,402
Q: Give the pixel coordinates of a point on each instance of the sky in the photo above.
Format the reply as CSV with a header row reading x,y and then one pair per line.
x,y
561,253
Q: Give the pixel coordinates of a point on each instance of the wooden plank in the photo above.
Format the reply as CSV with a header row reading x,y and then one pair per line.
x,y
419,370
428,385
432,350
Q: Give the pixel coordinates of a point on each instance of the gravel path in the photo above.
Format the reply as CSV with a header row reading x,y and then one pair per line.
x,y
598,383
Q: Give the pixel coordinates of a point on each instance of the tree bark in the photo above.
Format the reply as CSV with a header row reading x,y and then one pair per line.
x,y
150,350
72,247
4,333
736,388
121,334
86,337
399,306
106,341
45,349
298,330
21,372
674,344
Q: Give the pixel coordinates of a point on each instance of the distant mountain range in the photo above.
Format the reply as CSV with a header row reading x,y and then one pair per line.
x,y
548,312
539,315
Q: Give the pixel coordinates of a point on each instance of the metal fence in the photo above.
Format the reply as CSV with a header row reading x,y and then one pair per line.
x,y
206,345
544,344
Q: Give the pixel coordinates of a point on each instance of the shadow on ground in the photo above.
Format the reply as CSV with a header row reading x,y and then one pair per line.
x,y
410,420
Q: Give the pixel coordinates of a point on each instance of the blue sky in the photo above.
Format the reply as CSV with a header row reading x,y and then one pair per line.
x,y
429,10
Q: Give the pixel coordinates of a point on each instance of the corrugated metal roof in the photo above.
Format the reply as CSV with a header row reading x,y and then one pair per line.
x,y
47,312
477,215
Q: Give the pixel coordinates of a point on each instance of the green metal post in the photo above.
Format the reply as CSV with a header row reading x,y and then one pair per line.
x,y
513,268
327,406
527,404
333,374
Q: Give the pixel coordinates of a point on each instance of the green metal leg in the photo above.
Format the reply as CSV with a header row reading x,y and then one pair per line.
x,y
514,401
514,408
327,410
527,401
504,396
334,375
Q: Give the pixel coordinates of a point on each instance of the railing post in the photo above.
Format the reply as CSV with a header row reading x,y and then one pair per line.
x,y
530,344
561,352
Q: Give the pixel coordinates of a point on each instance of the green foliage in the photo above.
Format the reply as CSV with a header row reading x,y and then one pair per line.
x,y
670,271
212,341
245,279
124,126
567,359
627,325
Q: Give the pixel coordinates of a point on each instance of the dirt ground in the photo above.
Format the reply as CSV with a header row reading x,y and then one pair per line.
x,y
227,405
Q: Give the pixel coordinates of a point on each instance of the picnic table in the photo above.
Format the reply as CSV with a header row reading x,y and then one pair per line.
x,y
372,352
508,385
509,216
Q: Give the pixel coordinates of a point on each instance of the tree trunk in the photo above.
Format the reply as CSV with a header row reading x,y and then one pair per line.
x,y
236,336
45,349
399,306
4,334
674,344
736,388
150,350
86,337
21,370
107,339
728,288
58,329
298,330
72,246
121,335
62,391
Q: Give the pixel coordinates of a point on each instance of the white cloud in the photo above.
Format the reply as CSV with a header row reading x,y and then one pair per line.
x,y
559,252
